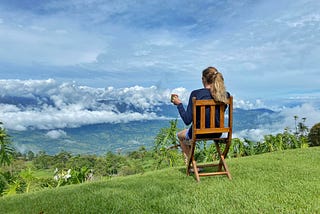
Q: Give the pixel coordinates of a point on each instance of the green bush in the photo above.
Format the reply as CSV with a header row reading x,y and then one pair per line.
x,y
3,183
314,135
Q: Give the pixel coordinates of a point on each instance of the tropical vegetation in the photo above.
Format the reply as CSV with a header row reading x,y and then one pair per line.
x,y
279,182
30,172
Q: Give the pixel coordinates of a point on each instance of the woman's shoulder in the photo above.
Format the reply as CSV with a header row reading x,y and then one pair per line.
x,y
200,90
200,94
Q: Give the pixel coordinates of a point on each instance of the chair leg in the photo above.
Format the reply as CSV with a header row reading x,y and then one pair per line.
x,y
192,162
219,153
195,169
190,159
222,166
222,162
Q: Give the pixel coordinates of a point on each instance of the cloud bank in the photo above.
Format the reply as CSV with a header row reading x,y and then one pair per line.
x,y
52,105
265,49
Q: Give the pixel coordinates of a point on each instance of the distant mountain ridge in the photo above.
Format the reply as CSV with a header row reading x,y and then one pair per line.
x,y
100,138
52,116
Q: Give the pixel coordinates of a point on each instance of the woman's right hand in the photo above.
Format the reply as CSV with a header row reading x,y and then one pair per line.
x,y
175,99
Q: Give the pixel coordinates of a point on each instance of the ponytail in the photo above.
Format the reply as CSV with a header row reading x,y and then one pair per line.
x,y
217,88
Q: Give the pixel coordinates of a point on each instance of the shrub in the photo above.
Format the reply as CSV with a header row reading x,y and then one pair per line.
x,y
314,135
3,183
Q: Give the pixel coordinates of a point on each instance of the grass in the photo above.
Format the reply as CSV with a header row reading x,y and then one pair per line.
x,y
279,182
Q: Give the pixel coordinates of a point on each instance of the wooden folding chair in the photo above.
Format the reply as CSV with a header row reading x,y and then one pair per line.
x,y
200,132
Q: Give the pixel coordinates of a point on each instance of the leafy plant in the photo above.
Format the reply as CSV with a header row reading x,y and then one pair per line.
x,y
28,177
165,140
314,135
3,184
6,148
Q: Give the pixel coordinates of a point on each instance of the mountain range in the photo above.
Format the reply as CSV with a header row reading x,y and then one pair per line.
x,y
123,136
51,116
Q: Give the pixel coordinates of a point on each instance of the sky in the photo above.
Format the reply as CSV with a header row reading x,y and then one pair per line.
x,y
81,50
265,48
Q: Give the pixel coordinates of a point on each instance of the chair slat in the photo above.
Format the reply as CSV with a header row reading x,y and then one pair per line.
x,y
212,118
222,115
202,117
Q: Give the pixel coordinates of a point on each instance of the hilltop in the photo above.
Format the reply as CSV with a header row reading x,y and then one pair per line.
x,y
278,182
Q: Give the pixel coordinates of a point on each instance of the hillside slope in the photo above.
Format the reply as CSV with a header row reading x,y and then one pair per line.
x,y
279,182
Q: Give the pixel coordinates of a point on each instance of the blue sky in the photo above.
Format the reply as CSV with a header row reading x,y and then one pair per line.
x,y
266,49
68,56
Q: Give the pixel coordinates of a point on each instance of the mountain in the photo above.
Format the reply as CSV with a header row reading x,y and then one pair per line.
x,y
253,118
124,137
46,115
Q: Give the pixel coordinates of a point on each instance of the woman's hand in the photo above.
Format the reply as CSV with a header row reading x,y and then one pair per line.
x,y
175,99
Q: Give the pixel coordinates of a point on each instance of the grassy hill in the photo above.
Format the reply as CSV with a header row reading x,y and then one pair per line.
x,y
279,182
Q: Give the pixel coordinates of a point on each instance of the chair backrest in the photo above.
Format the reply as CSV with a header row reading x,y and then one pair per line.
x,y
200,125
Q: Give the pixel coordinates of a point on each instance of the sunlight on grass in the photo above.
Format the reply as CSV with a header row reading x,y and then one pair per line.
x,y
279,182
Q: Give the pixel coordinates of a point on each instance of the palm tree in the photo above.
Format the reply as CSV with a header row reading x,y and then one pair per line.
x,y
295,124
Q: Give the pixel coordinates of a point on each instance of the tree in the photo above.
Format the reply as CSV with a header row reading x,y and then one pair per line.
x,y
30,155
114,162
42,160
314,135
6,149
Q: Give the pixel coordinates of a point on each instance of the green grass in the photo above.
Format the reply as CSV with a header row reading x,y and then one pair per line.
x,y
279,182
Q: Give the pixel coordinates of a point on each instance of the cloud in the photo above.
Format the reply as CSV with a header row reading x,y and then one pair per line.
x,y
47,41
306,113
55,134
50,104
306,110
265,49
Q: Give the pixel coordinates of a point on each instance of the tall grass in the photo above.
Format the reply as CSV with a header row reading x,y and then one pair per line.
x,y
279,182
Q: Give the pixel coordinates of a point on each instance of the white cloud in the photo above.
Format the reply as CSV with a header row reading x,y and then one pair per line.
x,y
306,110
67,117
50,44
245,104
252,134
256,44
60,105
55,134
49,104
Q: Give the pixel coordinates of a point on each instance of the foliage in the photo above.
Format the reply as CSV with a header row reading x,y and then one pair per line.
x,y
164,141
269,183
114,163
62,177
314,135
28,177
3,184
20,177
72,176
43,160
6,149
271,143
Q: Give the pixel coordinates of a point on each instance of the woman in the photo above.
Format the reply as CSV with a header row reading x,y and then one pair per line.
x,y
214,88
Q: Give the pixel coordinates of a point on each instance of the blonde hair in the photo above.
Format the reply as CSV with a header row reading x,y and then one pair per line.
x,y
215,79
